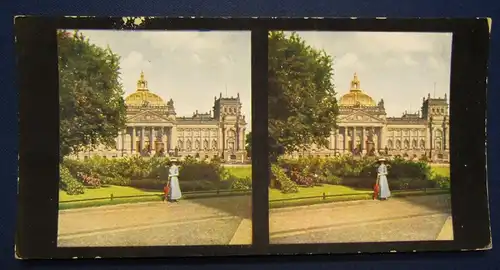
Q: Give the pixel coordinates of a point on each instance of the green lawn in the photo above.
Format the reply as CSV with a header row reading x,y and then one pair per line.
x,y
441,170
241,172
305,196
275,194
102,196
104,192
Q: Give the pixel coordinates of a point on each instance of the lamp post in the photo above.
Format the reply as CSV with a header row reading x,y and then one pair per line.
x,y
430,142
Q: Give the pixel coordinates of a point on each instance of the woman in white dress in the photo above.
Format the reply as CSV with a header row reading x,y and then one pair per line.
x,y
175,189
384,191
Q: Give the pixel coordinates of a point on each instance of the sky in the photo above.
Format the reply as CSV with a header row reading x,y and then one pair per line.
x,y
191,67
401,68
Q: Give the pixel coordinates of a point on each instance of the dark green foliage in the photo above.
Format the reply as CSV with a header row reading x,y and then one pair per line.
x,y
152,173
301,100
280,180
68,183
248,146
92,109
360,173
192,170
241,183
441,181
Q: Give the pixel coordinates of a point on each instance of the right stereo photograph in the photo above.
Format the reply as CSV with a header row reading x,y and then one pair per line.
x,y
359,137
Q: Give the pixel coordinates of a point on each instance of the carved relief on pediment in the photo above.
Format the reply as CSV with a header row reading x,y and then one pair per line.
x,y
359,117
147,117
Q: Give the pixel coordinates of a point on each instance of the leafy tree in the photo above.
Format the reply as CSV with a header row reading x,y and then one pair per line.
x,y
302,105
248,145
92,109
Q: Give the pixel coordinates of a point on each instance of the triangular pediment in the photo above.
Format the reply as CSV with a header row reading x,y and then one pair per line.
x,y
147,117
359,117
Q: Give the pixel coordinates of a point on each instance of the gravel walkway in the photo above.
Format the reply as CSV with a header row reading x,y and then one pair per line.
x,y
401,219
210,221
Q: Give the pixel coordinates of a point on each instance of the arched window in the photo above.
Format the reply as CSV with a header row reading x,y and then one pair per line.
x,y
180,144
406,144
188,145
390,144
214,144
438,145
197,145
398,144
422,144
205,144
414,144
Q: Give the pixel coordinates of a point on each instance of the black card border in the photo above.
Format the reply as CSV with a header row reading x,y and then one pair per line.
x,y
38,123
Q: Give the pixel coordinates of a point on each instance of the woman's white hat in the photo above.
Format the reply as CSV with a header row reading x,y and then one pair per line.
x,y
381,159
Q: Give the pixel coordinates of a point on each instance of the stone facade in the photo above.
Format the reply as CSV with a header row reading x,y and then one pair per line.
x,y
153,128
365,129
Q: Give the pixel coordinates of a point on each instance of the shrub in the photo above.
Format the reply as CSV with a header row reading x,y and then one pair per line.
x,y
301,179
192,170
441,181
89,180
68,183
148,184
332,180
242,183
116,181
284,183
198,185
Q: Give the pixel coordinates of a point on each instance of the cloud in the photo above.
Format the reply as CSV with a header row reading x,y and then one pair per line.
x,y
186,40
135,60
196,58
349,60
395,42
226,60
433,63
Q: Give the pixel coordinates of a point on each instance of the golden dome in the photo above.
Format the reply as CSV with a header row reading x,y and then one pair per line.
x,y
356,97
142,96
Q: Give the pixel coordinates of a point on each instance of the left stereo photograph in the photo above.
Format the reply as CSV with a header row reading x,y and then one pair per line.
x,y
154,131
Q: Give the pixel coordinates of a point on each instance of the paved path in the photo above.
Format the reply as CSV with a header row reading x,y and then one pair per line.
x,y
209,221
398,219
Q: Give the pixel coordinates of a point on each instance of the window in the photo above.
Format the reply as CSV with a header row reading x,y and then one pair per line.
x,y
422,144
406,144
389,144
414,144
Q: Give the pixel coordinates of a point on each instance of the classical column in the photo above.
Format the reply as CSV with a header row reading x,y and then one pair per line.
x,y
242,140
427,139
133,140
410,143
353,138
143,129
363,139
220,139
164,139
393,138
346,134
382,136
173,137
152,138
